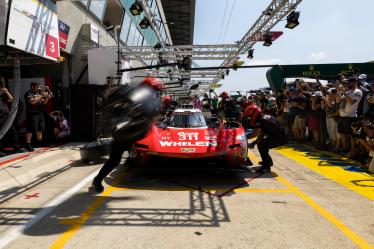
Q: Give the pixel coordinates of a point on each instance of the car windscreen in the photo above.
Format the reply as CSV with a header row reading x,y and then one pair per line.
x,y
187,120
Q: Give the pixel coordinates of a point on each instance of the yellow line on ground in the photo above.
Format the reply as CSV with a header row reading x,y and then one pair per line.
x,y
340,225
328,216
359,182
76,224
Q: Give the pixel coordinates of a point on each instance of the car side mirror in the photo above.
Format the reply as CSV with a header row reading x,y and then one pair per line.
x,y
164,124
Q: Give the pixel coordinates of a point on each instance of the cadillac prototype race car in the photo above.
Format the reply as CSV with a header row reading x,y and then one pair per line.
x,y
187,134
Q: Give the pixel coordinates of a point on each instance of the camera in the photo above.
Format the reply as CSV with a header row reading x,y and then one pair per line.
x,y
333,91
358,128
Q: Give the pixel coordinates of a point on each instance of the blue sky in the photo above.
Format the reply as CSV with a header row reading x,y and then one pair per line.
x,y
330,31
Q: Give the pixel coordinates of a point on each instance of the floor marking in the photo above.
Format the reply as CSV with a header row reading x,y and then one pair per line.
x,y
77,223
45,210
36,195
328,166
328,216
24,156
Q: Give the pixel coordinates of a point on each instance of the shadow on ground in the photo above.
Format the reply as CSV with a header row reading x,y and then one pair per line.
x,y
205,191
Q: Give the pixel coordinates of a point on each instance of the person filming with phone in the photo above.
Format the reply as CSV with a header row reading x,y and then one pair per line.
x,y
35,100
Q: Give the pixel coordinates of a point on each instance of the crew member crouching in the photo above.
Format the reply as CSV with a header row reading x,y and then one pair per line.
x,y
269,132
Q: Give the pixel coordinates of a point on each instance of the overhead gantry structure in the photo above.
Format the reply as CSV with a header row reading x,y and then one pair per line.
x,y
175,53
226,54
275,12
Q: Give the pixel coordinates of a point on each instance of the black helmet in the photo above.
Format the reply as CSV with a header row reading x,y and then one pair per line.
x,y
129,112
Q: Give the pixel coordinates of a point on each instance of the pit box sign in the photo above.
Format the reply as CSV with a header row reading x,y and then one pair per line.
x,y
63,31
33,28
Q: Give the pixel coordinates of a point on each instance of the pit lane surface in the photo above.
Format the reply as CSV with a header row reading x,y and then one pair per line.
x,y
299,205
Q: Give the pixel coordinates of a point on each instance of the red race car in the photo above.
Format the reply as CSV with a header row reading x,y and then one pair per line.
x,y
187,135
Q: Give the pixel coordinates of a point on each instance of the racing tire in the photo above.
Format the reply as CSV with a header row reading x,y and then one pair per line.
x,y
94,151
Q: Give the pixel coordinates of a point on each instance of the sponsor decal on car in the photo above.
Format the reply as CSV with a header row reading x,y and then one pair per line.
x,y
189,144
188,150
188,136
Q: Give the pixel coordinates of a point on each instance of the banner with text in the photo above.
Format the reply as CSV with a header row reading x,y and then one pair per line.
x,y
33,28
63,33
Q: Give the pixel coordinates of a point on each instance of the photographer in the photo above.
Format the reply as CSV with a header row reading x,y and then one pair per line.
x,y
368,141
369,104
297,109
365,89
35,100
271,107
350,99
363,134
331,104
62,128
368,144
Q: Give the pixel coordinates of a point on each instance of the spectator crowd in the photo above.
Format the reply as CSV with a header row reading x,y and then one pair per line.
x,y
336,116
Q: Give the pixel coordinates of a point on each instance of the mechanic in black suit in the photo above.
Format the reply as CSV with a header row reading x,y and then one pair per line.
x,y
128,114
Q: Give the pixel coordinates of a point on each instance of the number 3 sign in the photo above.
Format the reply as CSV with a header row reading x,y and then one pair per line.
x,y
51,46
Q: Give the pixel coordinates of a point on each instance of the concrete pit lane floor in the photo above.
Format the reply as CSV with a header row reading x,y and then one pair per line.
x,y
310,200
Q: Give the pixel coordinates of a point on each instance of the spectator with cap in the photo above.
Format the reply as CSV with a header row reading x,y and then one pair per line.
x,y
363,80
349,101
365,89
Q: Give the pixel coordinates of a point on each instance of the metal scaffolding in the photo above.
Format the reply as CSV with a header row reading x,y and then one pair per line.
x,y
274,13
175,53
227,54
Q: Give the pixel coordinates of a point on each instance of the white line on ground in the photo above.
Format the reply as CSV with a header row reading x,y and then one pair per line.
x,y
46,209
